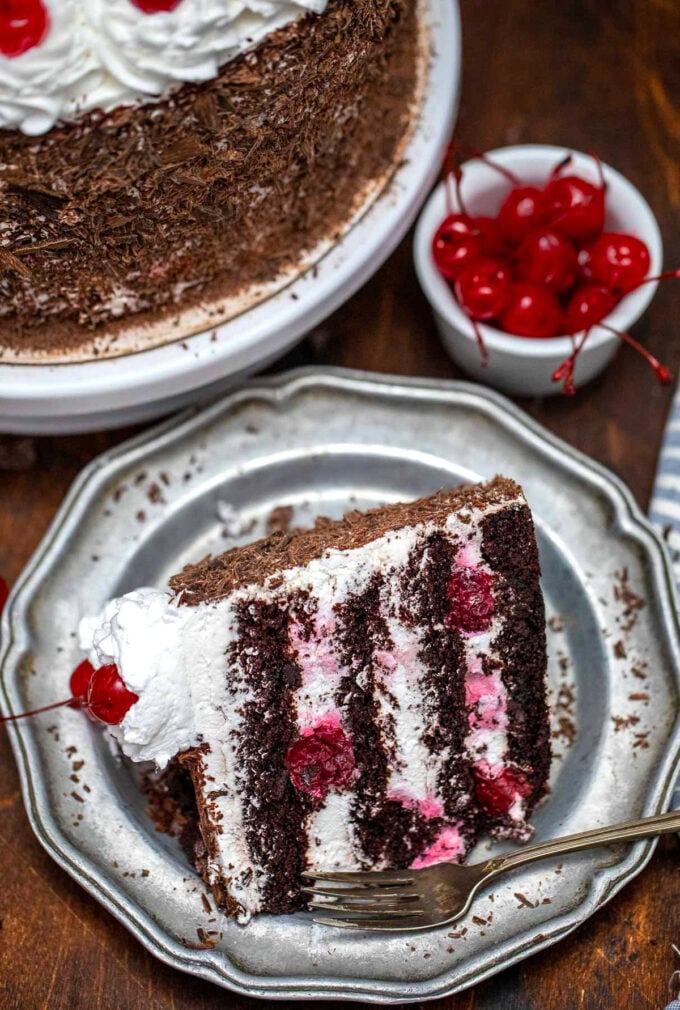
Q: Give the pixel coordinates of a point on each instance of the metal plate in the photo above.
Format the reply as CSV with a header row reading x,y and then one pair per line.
x,y
323,440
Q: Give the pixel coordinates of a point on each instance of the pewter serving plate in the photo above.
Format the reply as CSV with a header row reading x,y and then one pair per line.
x,y
322,441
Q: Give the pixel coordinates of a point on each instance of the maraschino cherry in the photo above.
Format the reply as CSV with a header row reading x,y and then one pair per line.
x,y
4,593
461,238
492,240
532,310
23,26
583,255
80,681
573,206
482,289
620,262
321,760
102,693
521,211
496,794
455,245
546,257
470,593
587,306
156,6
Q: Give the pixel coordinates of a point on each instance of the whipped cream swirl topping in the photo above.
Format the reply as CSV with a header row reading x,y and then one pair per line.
x,y
105,53
143,635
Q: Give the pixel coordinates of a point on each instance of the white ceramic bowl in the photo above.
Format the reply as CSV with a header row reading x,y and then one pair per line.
x,y
524,365
106,393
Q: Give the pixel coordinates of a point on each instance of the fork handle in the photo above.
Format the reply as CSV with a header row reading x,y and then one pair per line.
x,y
660,824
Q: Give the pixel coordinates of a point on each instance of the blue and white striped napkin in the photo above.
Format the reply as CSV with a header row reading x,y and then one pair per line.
x,y
664,510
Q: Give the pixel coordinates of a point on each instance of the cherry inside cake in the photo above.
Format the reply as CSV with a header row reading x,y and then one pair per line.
x,y
366,694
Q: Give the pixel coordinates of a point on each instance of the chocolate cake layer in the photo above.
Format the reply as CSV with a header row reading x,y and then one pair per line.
x,y
214,578
209,190
509,546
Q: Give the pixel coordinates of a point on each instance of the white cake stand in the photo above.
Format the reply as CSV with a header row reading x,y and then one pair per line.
x,y
107,393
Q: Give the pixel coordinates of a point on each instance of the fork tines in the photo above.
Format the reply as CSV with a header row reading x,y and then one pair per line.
x,y
378,900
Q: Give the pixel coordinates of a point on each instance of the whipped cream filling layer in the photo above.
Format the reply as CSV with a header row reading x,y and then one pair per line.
x,y
98,54
177,659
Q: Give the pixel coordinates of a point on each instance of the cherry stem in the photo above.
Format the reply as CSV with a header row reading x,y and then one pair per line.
x,y
480,341
663,374
566,369
458,176
499,168
449,169
596,158
37,711
450,157
647,280
561,165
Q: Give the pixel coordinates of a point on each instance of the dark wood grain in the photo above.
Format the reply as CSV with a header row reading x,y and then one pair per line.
x,y
598,76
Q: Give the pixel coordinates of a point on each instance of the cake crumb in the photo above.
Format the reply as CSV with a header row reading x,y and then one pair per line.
x,y
155,495
524,902
205,942
631,602
624,722
279,520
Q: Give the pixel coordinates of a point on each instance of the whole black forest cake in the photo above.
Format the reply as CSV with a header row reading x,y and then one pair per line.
x,y
161,156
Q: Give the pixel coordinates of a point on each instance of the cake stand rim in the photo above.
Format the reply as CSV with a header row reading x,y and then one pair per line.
x,y
95,394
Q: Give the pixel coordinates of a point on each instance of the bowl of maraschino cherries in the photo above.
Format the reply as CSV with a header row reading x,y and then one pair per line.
x,y
536,262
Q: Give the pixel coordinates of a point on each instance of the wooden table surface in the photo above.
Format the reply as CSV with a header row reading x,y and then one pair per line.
x,y
601,76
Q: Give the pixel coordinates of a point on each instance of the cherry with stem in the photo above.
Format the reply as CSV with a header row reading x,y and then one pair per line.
x,y
101,692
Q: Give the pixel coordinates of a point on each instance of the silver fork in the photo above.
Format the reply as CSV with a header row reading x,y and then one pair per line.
x,y
391,900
